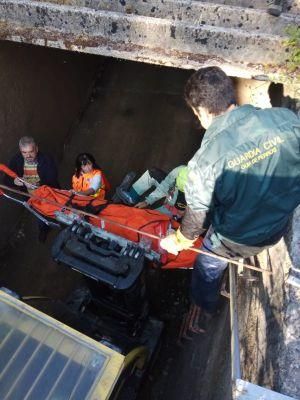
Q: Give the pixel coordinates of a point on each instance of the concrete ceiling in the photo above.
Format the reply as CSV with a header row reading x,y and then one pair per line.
x,y
240,36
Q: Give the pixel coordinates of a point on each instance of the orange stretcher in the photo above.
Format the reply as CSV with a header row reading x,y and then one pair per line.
x,y
136,225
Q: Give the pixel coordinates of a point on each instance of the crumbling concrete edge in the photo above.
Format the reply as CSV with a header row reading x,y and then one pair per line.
x,y
132,52
153,40
288,361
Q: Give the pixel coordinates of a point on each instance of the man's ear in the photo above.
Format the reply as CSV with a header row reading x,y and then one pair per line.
x,y
195,111
204,116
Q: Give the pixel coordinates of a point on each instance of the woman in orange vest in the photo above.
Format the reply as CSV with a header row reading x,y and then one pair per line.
x,y
88,179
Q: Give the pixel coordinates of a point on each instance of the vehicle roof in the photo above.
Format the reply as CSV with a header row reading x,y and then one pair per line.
x,y
41,358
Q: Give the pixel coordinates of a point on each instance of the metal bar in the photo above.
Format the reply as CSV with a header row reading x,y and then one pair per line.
x,y
38,216
13,199
54,351
235,346
17,321
18,350
248,391
27,206
46,334
27,184
58,379
7,336
294,281
79,379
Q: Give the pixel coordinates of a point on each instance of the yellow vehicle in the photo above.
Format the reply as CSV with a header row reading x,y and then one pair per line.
x,y
42,358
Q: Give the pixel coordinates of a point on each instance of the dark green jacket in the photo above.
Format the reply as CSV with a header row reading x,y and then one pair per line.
x,y
246,175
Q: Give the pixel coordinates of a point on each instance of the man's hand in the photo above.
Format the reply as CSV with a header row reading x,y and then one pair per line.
x,y
29,185
176,242
18,182
171,244
141,204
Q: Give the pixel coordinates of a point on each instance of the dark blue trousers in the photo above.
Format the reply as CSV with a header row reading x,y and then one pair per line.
x,y
208,272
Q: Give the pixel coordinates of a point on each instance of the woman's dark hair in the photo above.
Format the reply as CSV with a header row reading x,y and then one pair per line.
x,y
210,88
83,159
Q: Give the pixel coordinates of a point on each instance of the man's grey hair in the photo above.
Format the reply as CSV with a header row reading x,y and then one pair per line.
x,y
26,141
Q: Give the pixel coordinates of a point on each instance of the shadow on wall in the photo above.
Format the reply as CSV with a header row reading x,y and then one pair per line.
x,y
279,99
136,119
42,92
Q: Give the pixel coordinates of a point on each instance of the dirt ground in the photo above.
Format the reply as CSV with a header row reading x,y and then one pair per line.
x,y
136,118
197,368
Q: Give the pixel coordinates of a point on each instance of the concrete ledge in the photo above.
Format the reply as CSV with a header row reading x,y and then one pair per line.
x,y
182,43
193,13
248,391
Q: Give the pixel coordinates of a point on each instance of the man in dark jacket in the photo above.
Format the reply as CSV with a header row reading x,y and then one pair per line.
x,y
35,169
243,183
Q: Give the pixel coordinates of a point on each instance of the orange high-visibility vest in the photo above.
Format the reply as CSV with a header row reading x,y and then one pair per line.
x,y
83,183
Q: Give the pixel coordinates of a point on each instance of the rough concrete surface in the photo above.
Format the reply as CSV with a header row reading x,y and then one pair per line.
x,y
290,350
136,119
187,34
269,319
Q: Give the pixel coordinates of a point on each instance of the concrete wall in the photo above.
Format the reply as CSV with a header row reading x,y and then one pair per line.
x,y
42,93
137,118
269,318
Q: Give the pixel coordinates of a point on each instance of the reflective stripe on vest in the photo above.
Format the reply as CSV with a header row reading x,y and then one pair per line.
x,y
182,178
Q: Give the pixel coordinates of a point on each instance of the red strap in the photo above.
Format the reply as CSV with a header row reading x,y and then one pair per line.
x,y
8,171
106,182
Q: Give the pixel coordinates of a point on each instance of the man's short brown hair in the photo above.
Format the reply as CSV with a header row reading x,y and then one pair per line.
x,y
211,89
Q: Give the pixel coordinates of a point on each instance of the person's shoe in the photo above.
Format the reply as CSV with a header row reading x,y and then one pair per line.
x,y
125,196
120,195
275,8
127,180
